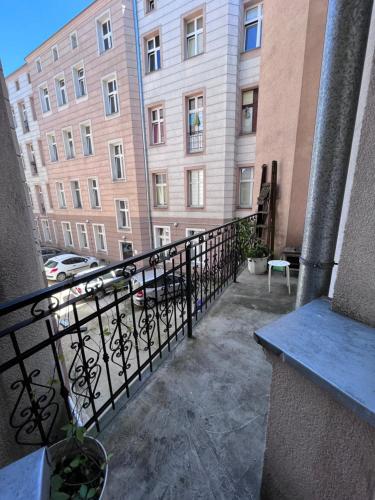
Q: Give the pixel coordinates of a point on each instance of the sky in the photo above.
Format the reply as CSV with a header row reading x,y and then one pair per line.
x,y
25,24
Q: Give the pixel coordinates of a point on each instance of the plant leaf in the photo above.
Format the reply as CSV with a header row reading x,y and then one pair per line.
x,y
56,482
59,495
91,493
67,470
76,462
83,491
80,433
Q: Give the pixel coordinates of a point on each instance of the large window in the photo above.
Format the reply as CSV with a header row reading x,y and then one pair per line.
x,y
246,181
32,158
24,117
68,143
73,40
117,160
67,234
46,230
253,27
99,236
76,194
86,137
38,64
195,188
162,235
157,125
55,53
150,5
194,36
122,214
61,200
153,53
249,111
195,124
160,190
52,147
110,94
44,99
83,240
94,193
79,80
104,31
61,95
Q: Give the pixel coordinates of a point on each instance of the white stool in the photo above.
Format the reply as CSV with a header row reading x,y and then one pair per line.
x,y
278,263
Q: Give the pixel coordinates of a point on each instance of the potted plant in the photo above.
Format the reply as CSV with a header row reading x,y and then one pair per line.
x,y
257,256
80,466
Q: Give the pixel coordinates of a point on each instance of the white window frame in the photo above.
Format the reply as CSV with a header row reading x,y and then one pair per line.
x,y
249,181
91,190
105,249
52,147
168,228
120,242
154,51
112,159
68,224
76,198
55,231
125,210
148,5
61,91
157,123
55,53
76,81
69,147
258,21
73,34
107,96
194,35
84,136
44,99
79,235
46,230
164,186
38,65
100,21
201,189
23,117
201,247
61,198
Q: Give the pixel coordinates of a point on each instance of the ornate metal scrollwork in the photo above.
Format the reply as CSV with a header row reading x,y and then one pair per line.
x,y
154,260
171,252
37,310
95,286
121,344
147,325
129,270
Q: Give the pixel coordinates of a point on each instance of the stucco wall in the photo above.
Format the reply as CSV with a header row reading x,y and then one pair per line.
x,y
316,449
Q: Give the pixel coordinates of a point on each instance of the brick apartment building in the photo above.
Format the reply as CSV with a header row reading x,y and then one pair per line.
x,y
225,87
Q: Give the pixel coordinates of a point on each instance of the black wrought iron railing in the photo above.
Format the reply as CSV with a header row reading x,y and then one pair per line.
x,y
102,333
195,142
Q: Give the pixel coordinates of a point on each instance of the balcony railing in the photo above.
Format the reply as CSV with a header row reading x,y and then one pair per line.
x,y
102,345
195,142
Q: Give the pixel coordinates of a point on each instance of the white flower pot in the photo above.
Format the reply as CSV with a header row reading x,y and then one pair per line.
x,y
257,266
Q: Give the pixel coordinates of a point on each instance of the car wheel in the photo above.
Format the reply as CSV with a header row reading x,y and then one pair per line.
x,y
61,277
94,264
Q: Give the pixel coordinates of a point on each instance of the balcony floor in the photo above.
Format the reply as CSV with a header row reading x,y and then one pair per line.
x,y
197,427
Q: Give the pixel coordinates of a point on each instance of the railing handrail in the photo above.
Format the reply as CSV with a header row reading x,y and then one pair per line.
x,y
44,293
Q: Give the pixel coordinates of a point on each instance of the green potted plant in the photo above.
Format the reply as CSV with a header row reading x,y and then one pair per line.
x,y
257,256
79,466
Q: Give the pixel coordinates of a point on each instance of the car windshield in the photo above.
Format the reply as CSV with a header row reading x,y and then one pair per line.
x,y
50,263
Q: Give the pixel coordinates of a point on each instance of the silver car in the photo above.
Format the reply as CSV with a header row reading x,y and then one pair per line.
x,y
165,285
116,279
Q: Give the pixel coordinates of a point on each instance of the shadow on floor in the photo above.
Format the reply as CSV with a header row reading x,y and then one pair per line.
x,y
197,428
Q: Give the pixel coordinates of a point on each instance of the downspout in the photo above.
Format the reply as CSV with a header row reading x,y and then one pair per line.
x,y
340,82
143,121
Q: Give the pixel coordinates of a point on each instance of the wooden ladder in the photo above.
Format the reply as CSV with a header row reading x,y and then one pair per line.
x,y
265,225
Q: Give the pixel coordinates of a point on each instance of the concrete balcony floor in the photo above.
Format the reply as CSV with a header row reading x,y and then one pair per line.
x,y
197,427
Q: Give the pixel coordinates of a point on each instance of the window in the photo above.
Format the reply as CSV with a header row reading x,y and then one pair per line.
x,y
68,143
195,124
17,84
117,160
160,190
46,230
49,196
79,81
62,99
38,64
76,194
30,196
86,139
83,240
122,214
153,53
13,117
44,99
110,93
162,236
246,181
157,126
253,27
52,147
126,250
61,200
73,40
104,31
67,234
94,193
249,111
194,36
55,53
40,199
32,159
99,236
198,250
150,5
32,106
23,117
196,188
41,153
28,78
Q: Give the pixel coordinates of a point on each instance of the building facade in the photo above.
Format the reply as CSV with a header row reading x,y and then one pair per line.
x,y
113,183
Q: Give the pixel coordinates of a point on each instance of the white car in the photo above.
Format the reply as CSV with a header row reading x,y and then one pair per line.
x,y
61,266
107,283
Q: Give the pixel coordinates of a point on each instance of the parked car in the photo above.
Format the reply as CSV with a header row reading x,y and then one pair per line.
x,y
115,279
168,284
61,266
49,252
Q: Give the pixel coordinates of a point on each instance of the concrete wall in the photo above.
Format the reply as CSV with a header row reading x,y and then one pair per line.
x,y
315,449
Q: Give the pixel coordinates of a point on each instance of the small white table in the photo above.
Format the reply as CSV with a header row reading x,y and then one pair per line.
x,y
278,263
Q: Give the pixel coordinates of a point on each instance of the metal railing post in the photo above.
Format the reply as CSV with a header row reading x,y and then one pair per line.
x,y
236,252
189,312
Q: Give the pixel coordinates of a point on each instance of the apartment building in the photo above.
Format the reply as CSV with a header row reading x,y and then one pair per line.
x,y
219,97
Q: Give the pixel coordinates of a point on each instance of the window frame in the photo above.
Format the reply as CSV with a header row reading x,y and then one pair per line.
x,y
82,126
104,238
71,35
254,107
201,142
111,145
76,198
45,225
71,234
250,181
64,131
89,179
22,111
159,122
189,184
43,98
60,91
197,31
156,51
157,226
106,95
126,210
55,53
38,65
155,189
50,145
60,197
258,21
79,233
100,21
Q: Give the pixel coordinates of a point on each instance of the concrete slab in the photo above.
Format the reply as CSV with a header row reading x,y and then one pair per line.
x,y
197,428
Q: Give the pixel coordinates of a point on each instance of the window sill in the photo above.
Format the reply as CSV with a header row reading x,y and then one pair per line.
x,y
62,107
160,207
193,57
46,113
112,116
157,145
195,208
82,98
119,181
247,134
249,54
244,208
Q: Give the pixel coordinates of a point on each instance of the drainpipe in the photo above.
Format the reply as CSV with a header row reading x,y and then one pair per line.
x,y
342,65
143,121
